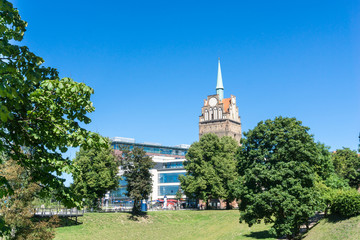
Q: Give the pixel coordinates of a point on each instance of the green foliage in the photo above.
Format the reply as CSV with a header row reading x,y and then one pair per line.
x,y
346,203
95,173
211,168
16,210
178,194
336,182
277,165
347,165
136,165
324,166
40,114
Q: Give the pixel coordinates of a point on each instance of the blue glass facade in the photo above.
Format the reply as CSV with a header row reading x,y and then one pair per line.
x,y
119,193
168,190
173,165
169,177
153,149
122,182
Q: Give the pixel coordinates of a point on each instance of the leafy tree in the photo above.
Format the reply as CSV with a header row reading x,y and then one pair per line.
x,y
277,175
38,111
178,196
211,169
324,166
328,183
95,173
347,165
16,209
136,165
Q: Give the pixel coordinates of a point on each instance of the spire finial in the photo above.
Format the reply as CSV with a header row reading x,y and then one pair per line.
x,y
219,84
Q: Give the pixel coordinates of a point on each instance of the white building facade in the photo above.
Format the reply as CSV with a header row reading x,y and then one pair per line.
x,y
169,165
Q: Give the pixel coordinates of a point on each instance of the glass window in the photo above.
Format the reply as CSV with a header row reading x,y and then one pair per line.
x,y
148,149
173,165
122,182
169,177
118,193
168,190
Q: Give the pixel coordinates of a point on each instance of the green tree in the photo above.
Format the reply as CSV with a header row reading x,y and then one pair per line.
x,y
277,175
95,173
38,111
347,165
136,165
211,169
324,166
16,209
178,196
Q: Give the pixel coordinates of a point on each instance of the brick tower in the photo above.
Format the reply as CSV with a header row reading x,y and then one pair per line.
x,y
220,115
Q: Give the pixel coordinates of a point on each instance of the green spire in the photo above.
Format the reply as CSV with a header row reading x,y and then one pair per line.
x,y
219,84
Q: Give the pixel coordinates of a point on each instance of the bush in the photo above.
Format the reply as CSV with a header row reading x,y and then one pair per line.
x,y
346,203
336,182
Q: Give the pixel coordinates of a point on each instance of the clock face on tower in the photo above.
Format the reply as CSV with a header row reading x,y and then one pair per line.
x,y
212,102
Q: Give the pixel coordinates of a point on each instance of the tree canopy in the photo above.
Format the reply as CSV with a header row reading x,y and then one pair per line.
x,y
277,175
95,173
347,165
40,113
136,166
211,168
16,209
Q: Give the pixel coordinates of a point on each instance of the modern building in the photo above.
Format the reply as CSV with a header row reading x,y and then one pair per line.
x,y
169,165
220,115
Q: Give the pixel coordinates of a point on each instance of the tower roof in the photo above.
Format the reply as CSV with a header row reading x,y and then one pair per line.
x,y
219,83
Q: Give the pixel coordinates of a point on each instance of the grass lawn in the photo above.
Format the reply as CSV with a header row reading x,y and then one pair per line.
x,y
164,225
335,228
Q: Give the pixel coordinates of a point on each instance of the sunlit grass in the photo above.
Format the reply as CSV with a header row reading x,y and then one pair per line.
x,y
335,228
164,225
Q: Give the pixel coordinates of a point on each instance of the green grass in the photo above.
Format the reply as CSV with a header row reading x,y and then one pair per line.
x,y
164,225
335,228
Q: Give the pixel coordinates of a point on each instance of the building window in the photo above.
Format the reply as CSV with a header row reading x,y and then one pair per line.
x,y
169,177
122,181
173,165
168,190
215,113
220,113
211,117
206,115
118,193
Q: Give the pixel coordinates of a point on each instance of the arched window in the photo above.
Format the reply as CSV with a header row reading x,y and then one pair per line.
x,y
220,113
211,117
215,113
206,115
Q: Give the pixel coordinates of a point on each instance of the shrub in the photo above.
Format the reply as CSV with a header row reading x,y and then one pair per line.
x,y
346,203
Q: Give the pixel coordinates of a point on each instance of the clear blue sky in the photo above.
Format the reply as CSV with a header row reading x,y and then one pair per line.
x,y
151,63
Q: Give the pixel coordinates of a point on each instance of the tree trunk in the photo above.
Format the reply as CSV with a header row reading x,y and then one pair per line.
x,y
228,204
135,206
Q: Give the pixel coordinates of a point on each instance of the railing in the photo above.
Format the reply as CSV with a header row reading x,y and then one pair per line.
x,y
61,212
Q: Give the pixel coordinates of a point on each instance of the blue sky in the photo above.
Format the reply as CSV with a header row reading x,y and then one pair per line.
x,y
151,63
